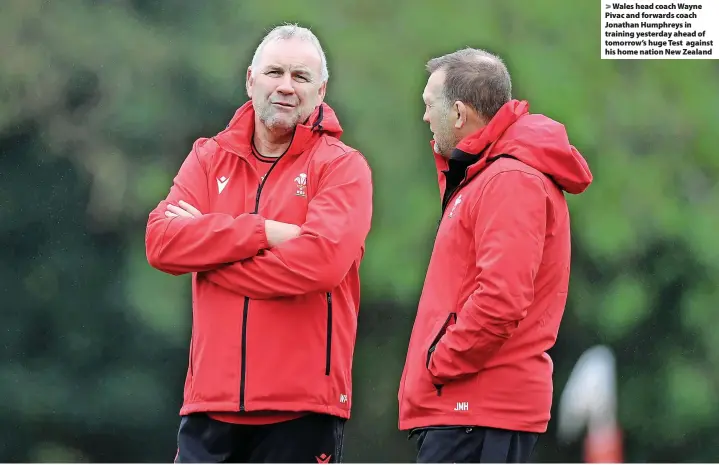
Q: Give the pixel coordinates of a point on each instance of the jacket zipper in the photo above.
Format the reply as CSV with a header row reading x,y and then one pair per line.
x,y
246,306
435,341
328,355
450,195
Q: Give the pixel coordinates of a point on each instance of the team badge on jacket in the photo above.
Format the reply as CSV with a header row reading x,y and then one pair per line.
x,y
456,204
301,181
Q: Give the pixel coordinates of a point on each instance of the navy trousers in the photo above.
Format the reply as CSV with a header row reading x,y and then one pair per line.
x,y
473,445
313,438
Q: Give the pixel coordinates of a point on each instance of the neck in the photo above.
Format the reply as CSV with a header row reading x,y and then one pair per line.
x,y
472,126
271,143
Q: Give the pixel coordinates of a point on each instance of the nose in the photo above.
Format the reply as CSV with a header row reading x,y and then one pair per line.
x,y
425,117
285,85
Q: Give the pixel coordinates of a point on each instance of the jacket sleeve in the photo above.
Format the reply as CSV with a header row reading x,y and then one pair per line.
x,y
509,229
182,245
331,239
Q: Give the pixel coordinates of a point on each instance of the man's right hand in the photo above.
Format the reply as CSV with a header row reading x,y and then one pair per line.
x,y
278,232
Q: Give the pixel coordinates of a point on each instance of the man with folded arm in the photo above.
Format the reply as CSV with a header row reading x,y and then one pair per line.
x,y
270,216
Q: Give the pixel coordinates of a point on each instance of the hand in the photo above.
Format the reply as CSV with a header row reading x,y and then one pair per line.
x,y
278,232
184,210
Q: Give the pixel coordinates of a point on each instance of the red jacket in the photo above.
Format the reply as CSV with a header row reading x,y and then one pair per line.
x,y
273,328
497,280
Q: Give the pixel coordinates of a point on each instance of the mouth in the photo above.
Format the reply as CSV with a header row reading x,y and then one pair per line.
x,y
283,104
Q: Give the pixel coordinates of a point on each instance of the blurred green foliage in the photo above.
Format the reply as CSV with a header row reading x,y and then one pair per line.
x,y
101,100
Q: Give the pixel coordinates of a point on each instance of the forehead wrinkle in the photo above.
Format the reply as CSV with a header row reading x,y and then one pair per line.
x,y
292,67
304,52
429,94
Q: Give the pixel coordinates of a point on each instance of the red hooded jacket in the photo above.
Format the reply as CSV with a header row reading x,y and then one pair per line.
x,y
497,281
273,328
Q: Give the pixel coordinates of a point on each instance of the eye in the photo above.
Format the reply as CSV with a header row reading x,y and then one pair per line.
x,y
302,78
274,72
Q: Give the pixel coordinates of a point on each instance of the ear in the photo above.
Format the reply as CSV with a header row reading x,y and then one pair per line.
x,y
462,113
249,81
323,91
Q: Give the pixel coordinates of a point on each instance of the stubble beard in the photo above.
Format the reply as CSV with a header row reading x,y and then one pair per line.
x,y
445,140
276,122
444,143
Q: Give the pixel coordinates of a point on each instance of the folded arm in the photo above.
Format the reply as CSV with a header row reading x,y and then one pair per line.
x,y
177,244
330,240
510,224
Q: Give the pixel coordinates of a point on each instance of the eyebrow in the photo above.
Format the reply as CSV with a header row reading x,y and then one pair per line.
x,y
294,69
304,72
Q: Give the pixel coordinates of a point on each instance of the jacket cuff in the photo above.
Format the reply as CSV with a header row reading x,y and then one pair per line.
x,y
262,233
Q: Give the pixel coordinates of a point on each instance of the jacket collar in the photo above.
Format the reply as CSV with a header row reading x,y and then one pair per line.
x,y
472,150
237,136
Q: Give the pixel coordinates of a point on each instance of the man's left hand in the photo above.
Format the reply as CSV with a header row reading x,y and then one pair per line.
x,y
183,210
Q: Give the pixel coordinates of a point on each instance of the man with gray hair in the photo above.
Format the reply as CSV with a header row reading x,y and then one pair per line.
x,y
270,216
477,381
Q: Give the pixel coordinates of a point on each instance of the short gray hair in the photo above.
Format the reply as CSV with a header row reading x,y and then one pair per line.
x,y
475,77
292,31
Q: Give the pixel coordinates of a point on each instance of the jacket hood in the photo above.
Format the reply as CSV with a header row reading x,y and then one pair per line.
x,y
533,139
237,136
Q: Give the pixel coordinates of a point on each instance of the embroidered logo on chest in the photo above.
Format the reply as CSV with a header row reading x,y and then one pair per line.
x,y
222,183
455,205
301,188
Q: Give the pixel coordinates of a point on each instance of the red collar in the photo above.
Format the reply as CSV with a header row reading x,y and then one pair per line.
x,y
237,137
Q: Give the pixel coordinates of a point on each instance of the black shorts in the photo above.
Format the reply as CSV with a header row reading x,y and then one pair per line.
x,y
313,438
473,445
